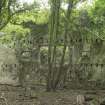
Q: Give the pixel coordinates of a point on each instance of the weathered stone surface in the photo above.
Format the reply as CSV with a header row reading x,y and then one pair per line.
x,y
8,64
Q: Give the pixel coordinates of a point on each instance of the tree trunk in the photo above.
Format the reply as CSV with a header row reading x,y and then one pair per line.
x,y
53,32
60,71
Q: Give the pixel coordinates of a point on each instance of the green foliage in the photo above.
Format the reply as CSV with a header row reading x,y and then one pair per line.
x,y
32,22
11,31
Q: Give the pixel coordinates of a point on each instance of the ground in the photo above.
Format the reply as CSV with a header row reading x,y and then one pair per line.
x,y
38,96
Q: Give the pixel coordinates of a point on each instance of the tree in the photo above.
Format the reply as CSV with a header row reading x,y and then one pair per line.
x,y
4,12
8,8
53,32
60,70
54,76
